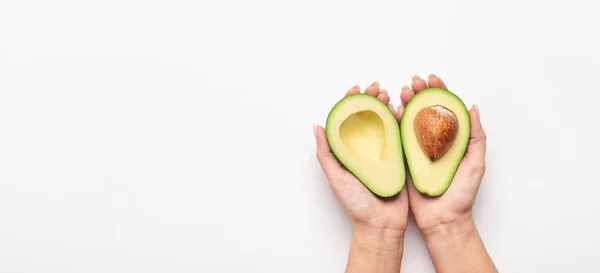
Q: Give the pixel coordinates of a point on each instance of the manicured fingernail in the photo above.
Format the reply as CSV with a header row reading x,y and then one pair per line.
x,y
476,110
315,130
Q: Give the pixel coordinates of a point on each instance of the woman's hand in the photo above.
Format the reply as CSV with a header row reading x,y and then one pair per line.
x,y
378,224
446,221
456,203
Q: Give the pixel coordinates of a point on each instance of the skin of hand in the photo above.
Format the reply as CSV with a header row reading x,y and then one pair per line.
x,y
446,222
378,224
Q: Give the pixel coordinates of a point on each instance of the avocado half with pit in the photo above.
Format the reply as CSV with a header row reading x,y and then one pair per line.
x,y
435,129
364,135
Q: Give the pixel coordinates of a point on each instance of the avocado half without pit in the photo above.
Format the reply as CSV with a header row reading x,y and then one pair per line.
x,y
365,137
435,129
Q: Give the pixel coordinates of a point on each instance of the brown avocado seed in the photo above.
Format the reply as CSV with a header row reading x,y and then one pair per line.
x,y
436,128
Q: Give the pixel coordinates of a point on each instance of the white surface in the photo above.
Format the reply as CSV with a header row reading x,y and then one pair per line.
x,y
175,136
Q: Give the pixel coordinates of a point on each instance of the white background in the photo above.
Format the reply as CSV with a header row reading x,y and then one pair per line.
x,y
175,136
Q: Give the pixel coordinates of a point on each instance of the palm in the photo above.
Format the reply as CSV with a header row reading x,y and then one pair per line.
x,y
365,207
359,203
457,200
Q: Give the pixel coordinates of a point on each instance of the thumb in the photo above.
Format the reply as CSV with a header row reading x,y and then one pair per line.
x,y
329,163
475,154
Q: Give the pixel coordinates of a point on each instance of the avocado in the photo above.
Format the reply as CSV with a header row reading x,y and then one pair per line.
x,y
435,129
364,135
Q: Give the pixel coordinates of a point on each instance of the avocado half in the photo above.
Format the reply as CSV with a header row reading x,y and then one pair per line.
x,y
365,137
433,176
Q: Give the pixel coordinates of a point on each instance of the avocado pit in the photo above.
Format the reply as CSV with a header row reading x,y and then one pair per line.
x,y
436,128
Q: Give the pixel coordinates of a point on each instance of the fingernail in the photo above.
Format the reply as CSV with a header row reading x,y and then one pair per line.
x,y
315,130
375,83
415,77
431,75
476,110
405,87
383,91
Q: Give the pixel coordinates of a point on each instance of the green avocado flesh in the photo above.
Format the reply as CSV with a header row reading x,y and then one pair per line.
x,y
365,137
433,177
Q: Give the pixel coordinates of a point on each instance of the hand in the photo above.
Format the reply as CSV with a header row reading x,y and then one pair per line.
x,y
446,221
378,224
456,203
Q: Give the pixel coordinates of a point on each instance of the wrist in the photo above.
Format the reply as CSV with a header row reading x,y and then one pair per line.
x,y
451,232
455,246
375,249
382,239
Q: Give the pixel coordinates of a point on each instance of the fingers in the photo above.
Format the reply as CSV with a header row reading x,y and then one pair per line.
x,y
391,106
435,81
373,90
475,154
399,113
406,95
384,96
418,84
354,90
331,166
